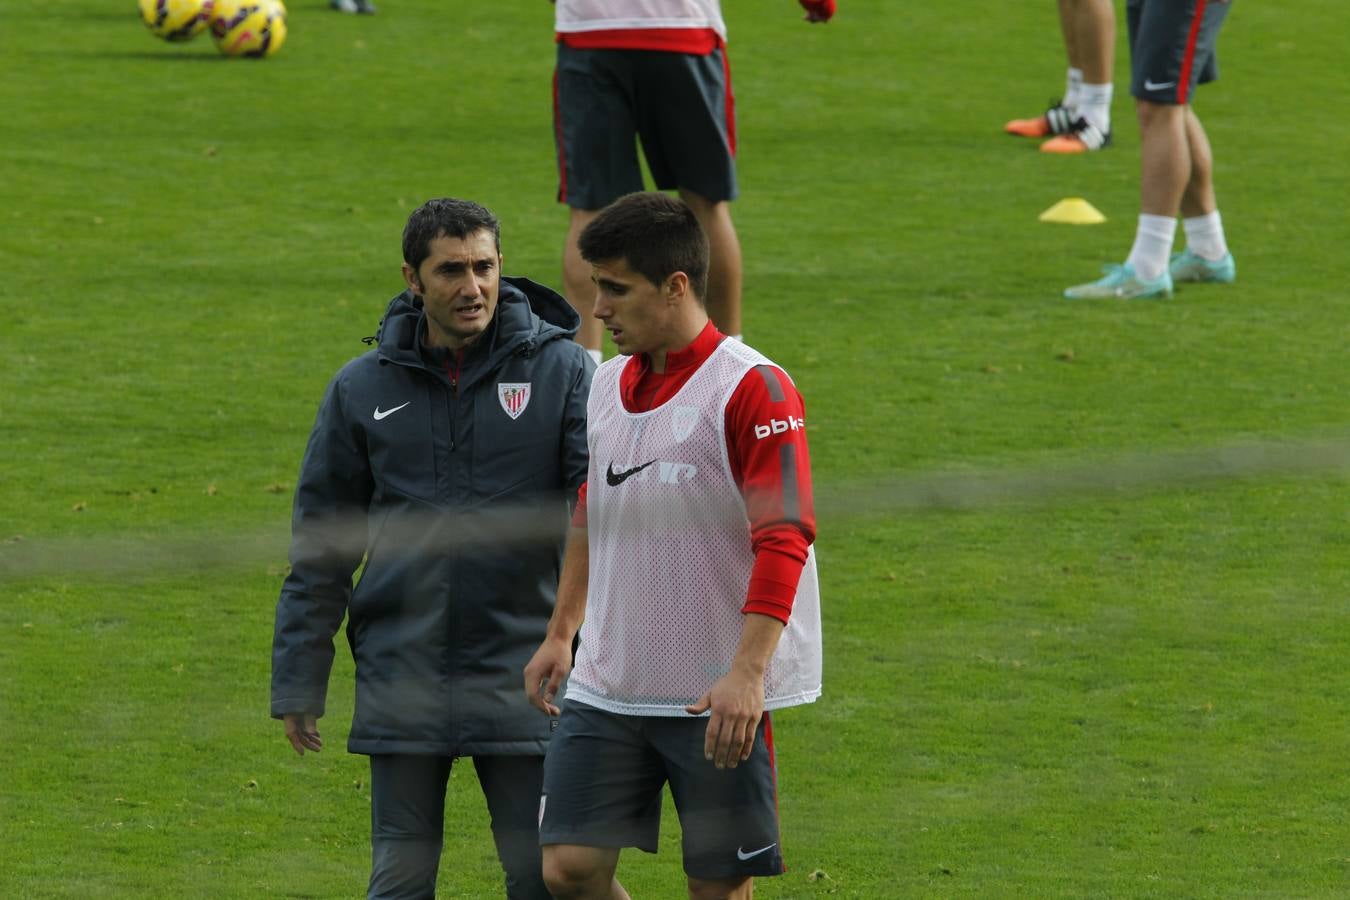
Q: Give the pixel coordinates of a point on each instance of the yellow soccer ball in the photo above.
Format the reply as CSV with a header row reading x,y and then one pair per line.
x,y
176,20
248,27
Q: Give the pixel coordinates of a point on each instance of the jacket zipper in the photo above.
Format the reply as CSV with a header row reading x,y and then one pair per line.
x,y
452,370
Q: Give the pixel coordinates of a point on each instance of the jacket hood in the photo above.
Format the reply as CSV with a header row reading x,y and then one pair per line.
x,y
528,315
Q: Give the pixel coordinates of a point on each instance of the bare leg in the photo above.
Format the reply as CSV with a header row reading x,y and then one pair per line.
x,y
577,282
1165,156
1165,164
1067,27
721,889
724,271
1198,198
1093,47
1089,29
1165,168
582,873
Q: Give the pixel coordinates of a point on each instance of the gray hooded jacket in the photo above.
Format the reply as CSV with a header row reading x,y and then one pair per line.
x,y
457,499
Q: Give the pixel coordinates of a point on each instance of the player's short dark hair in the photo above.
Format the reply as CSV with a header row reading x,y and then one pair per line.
x,y
656,234
445,216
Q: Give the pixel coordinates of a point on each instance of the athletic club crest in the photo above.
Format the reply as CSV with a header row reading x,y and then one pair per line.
x,y
683,422
514,397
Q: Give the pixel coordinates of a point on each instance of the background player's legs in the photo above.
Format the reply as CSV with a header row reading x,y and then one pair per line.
x,y
1206,257
1066,28
1074,76
1082,120
1089,28
724,266
597,159
721,889
1094,22
1057,119
1198,198
577,284
1165,157
582,873
1093,47
1165,168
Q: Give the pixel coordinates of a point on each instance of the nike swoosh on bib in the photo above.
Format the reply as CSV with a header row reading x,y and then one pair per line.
x,y
386,413
616,478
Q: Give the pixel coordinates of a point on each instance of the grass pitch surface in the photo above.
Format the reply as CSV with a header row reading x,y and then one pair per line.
x,y
1135,692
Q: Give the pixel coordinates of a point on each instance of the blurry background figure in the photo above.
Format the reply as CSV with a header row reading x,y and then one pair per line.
x,y
1172,49
1081,122
624,73
364,7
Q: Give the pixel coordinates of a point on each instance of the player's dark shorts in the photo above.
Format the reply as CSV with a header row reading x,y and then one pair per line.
x,y
602,788
679,104
1172,47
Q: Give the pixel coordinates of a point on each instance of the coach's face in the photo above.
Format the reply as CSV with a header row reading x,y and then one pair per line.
x,y
640,316
458,283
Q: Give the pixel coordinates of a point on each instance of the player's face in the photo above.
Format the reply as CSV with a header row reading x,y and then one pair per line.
x,y
637,313
458,283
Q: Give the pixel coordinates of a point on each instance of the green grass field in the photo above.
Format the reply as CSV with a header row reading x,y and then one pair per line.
x,y
1137,689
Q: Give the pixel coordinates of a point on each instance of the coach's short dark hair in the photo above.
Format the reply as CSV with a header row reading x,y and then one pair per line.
x,y
657,235
445,216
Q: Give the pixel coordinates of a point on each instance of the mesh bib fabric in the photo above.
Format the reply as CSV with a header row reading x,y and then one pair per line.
x,y
670,554
597,15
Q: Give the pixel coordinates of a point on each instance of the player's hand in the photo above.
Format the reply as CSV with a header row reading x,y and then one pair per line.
x,y
737,704
818,10
302,730
544,674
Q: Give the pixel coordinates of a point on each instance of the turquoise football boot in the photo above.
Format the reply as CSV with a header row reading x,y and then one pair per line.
x,y
1121,283
1186,266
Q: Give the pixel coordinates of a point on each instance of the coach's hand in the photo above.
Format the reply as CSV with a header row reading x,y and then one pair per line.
x,y
302,730
544,674
737,703
818,10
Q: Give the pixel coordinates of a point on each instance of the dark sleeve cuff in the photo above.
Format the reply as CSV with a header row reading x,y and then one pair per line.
x,y
297,706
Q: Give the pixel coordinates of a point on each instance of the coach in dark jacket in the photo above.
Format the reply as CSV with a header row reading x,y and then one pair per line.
x,y
446,458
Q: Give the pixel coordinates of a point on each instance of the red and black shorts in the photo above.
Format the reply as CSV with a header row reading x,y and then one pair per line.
x,y
603,779
1172,47
678,104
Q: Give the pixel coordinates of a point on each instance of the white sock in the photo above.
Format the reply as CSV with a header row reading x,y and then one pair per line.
x,y
1204,236
1094,104
1152,245
1073,82
596,356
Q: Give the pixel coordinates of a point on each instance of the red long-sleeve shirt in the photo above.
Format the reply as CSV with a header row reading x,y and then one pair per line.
x,y
759,422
